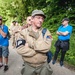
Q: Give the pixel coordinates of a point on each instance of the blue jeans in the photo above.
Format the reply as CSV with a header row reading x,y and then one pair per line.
x,y
4,51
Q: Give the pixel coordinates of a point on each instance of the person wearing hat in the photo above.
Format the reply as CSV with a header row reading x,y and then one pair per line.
x,y
32,46
64,33
4,43
14,28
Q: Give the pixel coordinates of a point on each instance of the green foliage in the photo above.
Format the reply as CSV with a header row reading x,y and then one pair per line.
x,y
70,56
55,11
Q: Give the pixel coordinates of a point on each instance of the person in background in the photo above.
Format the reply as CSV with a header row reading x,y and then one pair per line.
x,y
32,46
11,30
28,22
4,43
14,28
64,33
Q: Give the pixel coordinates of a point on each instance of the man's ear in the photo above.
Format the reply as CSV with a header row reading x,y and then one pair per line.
x,y
32,18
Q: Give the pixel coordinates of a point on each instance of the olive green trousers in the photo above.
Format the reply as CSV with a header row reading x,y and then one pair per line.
x,y
44,69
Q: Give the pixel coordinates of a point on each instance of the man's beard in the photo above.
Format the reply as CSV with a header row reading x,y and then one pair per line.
x,y
0,23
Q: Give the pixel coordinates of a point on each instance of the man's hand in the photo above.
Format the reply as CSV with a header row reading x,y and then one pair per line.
x,y
58,33
26,45
2,33
0,30
62,33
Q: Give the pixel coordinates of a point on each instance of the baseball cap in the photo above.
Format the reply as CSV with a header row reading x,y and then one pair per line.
x,y
65,19
38,12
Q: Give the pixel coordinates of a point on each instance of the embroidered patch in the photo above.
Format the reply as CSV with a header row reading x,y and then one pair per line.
x,y
48,37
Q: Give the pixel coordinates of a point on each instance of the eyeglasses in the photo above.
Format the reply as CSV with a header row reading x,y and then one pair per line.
x,y
0,19
38,17
29,19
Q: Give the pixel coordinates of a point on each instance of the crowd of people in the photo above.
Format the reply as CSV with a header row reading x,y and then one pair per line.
x,y
29,42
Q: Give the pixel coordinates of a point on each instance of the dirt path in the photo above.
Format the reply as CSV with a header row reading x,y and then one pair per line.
x,y
58,70
15,66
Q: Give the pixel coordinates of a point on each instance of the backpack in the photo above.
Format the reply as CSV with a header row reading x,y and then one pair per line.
x,y
8,34
49,53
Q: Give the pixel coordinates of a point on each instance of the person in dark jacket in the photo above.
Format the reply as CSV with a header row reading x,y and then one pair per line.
x,y
64,33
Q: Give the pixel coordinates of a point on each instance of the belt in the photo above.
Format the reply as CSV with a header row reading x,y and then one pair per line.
x,y
64,40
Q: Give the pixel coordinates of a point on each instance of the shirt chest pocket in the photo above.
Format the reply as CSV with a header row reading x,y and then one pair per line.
x,y
30,39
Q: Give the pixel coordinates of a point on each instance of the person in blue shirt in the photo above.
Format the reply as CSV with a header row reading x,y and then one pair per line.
x,y
64,33
4,43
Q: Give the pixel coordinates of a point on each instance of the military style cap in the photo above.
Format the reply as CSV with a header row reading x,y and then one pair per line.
x,y
38,12
65,19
